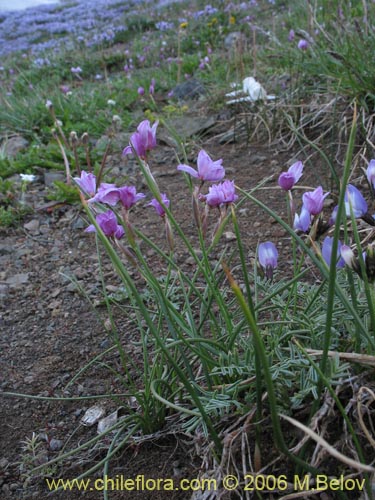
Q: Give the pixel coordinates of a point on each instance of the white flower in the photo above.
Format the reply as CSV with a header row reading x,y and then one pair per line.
x,y
111,102
28,177
251,90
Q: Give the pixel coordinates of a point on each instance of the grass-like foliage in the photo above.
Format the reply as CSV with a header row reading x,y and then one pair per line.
x,y
231,348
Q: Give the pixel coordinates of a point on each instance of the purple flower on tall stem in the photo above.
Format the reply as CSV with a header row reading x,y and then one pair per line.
x,y
221,194
291,35
158,207
355,201
86,183
267,255
143,140
288,179
327,252
208,170
313,201
107,222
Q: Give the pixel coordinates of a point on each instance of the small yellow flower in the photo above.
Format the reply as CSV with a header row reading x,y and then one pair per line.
x,y
232,20
183,25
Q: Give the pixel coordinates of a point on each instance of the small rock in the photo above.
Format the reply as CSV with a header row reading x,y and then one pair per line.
x,y
92,415
4,463
32,226
234,40
55,444
6,249
191,89
14,145
50,176
18,280
229,236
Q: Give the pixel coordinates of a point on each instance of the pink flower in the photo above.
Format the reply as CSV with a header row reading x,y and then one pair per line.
x,y
143,140
208,170
220,194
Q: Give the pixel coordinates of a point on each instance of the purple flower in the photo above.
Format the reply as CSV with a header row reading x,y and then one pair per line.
x,y
355,200
208,170
107,222
291,35
370,172
143,140
107,193
76,70
291,177
333,217
303,44
141,91
267,255
152,87
313,201
327,252
159,209
110,194
86,183
128,196
221,194
302,221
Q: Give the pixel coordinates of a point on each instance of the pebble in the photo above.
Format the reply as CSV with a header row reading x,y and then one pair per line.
x,y
55,444
4,463
32,226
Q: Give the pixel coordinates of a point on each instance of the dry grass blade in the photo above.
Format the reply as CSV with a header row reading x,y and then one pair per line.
x,y
330,449
363,359
361,411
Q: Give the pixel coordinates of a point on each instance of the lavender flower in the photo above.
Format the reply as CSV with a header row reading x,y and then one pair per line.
x,y
158,207
151,89
141,91
327,252
208,170
267,255
303,44
221,194
288,179
128,196
86,183
291,35
143,140
302,221
107,222
107,193
355,201
313,201
370,173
